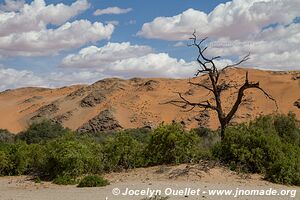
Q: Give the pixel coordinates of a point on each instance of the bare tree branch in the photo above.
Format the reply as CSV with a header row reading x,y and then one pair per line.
x,y
207,66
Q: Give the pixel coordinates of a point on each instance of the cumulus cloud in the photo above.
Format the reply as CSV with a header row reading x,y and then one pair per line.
x,y
112,10
265,28
93,56
126,60
235,19
12,5
113,22
273,48
11,78
24,32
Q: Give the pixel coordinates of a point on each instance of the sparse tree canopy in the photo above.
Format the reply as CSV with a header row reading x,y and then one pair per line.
x,y
216,87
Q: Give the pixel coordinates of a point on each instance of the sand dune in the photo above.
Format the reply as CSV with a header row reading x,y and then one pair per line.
x,y
139,102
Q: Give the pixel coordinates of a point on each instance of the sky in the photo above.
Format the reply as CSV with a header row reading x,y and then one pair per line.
x,y
50,43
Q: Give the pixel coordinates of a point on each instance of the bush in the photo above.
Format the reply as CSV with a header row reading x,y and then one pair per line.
x,y
93,181
5,163
287,128
6,136
64,180
19,156
268,145
122,152
68,156
42,131
170,144
286,169
249,148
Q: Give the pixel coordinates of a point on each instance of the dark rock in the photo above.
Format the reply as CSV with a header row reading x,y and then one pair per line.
x,y
189,92
296,77
149,85
94,98
77,93
108,84
63,117
32,99
105,121
46,111
203,119
297,103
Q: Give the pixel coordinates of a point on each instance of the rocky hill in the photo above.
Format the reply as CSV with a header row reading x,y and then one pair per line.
x,y
113,103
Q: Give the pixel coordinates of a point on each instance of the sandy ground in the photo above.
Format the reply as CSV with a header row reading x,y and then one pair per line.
x,y
155,178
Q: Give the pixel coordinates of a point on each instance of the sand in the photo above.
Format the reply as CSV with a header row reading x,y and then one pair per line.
x,y
139,102
155,178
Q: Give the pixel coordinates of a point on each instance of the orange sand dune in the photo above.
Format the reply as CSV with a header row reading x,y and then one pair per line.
x,y
139,102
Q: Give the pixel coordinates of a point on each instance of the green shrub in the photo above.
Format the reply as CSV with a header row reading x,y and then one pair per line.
x,y
139,134
249,148
19,156
122,152
268,145
286,169
64,180
93,181
6,136
171,144
287,127
42,131
5,163
68,156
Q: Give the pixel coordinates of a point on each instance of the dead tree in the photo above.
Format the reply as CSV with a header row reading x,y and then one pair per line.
x,y
216,87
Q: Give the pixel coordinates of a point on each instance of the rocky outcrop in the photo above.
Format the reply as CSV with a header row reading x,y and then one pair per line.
x,y
203,119
149,85
94,98
77,93
32,99
297,103
105,121
63,117
46,111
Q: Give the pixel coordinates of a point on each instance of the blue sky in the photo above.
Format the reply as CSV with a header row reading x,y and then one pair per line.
x,y
137,42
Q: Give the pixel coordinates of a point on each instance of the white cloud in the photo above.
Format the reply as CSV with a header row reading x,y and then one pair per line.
x,y
12,5
237,28
273,48
126,60
113,22
24,32
11,78
95,57
112,10
180,44
235,19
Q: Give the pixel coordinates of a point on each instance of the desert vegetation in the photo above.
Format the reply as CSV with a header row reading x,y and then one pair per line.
x,y
269,145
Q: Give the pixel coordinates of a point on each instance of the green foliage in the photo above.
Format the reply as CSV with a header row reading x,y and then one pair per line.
x,y
64,180
287,128
5,163
68,156
93,181
286,169
268,145
42,131
6,136
122,152
18,154
171,144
